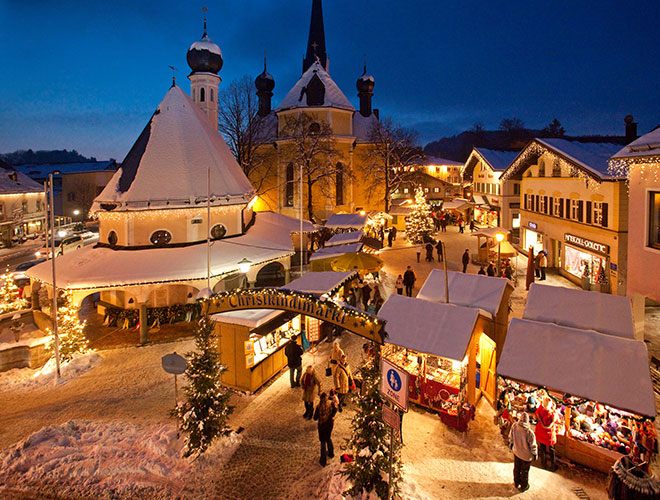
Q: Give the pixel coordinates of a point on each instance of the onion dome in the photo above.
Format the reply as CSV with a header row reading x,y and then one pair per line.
x,y
366,82
265,81
204,56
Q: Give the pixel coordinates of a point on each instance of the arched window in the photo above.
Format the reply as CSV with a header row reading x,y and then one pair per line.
x,y
211,91
112,239
541,168
160,238
201,94
288,189
339,184
218,231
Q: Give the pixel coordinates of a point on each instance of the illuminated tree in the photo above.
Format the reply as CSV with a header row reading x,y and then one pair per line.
x,y
419,222
70,330
9,295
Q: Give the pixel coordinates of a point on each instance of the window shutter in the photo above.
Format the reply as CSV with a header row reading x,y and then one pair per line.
x,y
545,202
588,212
568,208
551,206
561,207
581,210
604,214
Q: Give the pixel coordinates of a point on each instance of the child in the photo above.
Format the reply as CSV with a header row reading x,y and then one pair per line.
x,y
399,285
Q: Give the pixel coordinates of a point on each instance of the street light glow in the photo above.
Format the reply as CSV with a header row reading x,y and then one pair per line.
x,y
499,237
61,233
244,265
76,212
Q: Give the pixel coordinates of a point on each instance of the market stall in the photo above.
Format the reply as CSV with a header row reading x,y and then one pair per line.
x,y
489,241
347,222
345,238
438,345
320,260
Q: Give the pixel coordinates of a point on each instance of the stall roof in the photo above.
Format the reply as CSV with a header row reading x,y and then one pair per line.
x,y
440,329
469,290
490,232
320,282
602,312
336,251
356,221
252,318
344,238
456,204
600,367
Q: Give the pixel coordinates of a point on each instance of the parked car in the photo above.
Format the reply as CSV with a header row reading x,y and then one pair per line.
x,y
30,263
62,246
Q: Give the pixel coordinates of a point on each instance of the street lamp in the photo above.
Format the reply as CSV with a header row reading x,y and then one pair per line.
x,y
244,265
499,237
76,212
52,258
61,233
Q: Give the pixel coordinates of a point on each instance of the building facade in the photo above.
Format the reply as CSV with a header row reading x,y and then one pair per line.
x,y
435,189
448,171
22,207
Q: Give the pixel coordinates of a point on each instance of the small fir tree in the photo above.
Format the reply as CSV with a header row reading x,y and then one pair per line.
x,y
601,276
205,412
370,438
419,223
70,330
9,295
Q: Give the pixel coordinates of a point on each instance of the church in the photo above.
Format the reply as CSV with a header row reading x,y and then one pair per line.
x,y
315,110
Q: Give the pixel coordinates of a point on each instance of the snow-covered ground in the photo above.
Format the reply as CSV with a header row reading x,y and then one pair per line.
x,y
20,379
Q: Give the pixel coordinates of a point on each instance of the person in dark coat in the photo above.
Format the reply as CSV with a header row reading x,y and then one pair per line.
x,y
409,279
325,415
490,270
472,226
443,223
438,248
294,354
482,270
390,237
466,259
366,295
429,252
393,231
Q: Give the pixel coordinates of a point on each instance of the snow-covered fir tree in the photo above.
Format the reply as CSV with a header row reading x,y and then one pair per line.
x,y
419,223
205,412
370,438
9,295
70,330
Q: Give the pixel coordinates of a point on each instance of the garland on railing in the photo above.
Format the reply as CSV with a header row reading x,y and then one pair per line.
x,y
156,316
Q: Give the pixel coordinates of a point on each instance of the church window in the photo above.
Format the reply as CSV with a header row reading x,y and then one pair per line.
x,y
218,231
339,184
112,239
201,94
211,91
315,92
160,238
288,189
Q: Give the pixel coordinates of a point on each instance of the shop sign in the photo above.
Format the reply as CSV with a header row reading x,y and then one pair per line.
x,y
612,266
588,244
392,418
394,383
532,225
174,363
307,304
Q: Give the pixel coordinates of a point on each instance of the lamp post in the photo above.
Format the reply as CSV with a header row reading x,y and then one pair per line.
x,y
499,237
244,266
52,249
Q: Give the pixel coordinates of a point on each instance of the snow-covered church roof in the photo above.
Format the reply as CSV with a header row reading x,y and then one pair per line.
x,y
333,96
168,164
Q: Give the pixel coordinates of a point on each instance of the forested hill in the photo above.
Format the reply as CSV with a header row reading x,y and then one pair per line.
x,y
54,156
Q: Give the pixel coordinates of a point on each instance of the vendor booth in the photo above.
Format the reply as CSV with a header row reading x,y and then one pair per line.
x,y
320,260
486,240
345,238
346,222
439,345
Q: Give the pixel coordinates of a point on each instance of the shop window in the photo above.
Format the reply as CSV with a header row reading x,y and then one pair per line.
x,y
201,94
218,231
583,264
541,168
654,219
160,238
556,168
112,239
288,188
339,184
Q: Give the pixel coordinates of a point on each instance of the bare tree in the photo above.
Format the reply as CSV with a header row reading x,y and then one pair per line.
x,y
313,149
391,158
244,130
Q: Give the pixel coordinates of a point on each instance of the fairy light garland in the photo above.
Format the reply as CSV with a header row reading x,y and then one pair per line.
x,y
648,168
178,212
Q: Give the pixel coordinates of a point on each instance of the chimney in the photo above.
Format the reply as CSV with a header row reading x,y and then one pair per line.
x,y
631,128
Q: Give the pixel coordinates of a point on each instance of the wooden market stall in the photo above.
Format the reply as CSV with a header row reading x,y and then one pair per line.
x,y
438,345
321,259
486,240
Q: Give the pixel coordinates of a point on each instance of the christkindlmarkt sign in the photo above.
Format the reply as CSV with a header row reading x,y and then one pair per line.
x,y
308,304
588,244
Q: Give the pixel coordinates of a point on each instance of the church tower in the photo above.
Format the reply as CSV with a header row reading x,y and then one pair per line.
x,y
205,61
316,39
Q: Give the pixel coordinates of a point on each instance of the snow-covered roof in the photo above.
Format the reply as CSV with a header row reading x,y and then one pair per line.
x,y
602,312
469,290
252,318
603,368
206,44
440,329
436,160
499,161
646,145
363,125
96,267
333,97
14,181
456,204
592,156
284,221
345,238
320,282
490,232
356,221
400,210
41,171
336,251
168,164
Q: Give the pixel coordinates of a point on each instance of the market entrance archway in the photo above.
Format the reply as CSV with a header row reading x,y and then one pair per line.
x,y
360,323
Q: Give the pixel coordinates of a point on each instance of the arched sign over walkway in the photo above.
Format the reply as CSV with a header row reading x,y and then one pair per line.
x,y
366,325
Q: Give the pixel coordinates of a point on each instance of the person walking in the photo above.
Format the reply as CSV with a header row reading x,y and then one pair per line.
x,y
366,295
393,231
335,357
537,265
543,263
390,237
460,225
490,270
310,385
443,223
325,415
466,259
409,279
523,444
294,353
399,285
438,248
429,252
546,434
343,380
472,226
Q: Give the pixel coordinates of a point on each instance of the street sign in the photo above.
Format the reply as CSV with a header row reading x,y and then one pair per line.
x,y
174,363
392,418
394,383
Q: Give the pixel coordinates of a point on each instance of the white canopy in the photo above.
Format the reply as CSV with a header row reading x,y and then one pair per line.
x,y
336,251
602,312
344,238
355,221
320,282
490,232
603,368
443,330
469,290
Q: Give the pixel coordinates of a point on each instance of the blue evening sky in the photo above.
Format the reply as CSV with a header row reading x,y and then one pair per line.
x,y
87,75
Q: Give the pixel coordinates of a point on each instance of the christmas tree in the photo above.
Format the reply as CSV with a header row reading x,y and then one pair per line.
x,y
370,438
69,330
419,222
601,276
205,412
9,294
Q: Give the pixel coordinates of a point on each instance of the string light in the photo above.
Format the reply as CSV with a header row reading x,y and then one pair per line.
x,y
648,168
189,212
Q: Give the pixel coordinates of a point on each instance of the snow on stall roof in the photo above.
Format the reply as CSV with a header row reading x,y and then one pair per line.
x,y
97,267
334,97
646,145
455,204
440,329
469,290
320,282
284,221
490,231
583,363
336,251
355,221
363,125
602,312
498,160
252,318
593,156
176,148
344,238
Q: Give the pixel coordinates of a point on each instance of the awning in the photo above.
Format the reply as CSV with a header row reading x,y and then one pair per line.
x,y
490,232
480,200
336,251
456,204
584,363
355,221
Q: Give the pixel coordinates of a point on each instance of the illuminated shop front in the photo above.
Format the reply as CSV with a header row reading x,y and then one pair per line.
x,y
585,259
533,237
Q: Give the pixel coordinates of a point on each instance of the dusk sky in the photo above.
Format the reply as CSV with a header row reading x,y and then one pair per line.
x,y
87,75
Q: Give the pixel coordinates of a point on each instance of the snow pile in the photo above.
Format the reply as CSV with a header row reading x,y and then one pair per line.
x,y
111,460
27,378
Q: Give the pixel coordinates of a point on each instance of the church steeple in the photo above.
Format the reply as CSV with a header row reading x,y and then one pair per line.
x,y
316,39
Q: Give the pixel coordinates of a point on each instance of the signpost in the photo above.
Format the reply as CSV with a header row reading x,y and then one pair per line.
x,y
176,365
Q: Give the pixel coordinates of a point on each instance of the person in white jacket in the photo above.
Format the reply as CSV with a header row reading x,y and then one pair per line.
x,y
523,444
